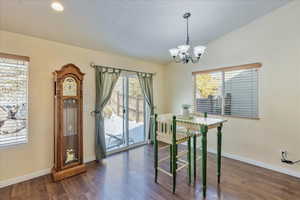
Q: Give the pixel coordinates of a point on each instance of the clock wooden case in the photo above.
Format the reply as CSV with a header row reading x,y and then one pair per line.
x,y
68,147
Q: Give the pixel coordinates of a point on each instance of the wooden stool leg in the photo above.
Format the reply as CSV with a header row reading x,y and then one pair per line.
x,y
155,150
174,152
174,165
204,157
171,158
219,152
194,156
189,161
155,160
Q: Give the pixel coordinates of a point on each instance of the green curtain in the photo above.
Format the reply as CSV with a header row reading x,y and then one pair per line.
x,y
106,80
146,82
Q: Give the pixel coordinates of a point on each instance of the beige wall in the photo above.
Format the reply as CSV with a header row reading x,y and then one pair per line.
x,y
273,40
45,57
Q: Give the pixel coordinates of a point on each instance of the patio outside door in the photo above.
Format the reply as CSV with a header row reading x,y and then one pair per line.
x,y
124,115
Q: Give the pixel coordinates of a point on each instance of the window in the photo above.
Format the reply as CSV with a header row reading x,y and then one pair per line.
x,y
13,99
231,91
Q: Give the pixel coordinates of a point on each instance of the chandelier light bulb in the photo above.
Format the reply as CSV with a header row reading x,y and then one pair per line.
x,y
57,6
183,48
174,52
199,50
181,56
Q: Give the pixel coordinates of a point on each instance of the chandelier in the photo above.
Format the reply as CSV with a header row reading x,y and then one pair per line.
x,y
183,54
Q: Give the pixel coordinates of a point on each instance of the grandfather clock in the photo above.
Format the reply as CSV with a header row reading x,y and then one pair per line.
x,y
68,151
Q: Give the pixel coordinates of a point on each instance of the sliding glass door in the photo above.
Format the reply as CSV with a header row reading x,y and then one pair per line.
x,y
125,115
136,114
114,118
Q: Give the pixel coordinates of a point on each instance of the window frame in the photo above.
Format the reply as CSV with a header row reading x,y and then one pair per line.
x,y
25,59
223,70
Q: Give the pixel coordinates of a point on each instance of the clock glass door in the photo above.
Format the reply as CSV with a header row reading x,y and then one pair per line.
x,y
70,130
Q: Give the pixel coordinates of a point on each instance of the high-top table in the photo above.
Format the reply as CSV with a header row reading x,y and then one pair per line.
x,y
197,125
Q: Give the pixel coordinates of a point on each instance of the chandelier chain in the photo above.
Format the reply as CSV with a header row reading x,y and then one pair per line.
x,y
187,32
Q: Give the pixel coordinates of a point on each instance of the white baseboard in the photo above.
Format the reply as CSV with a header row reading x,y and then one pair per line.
x,y
36,174
26,177
89,159
33,175
258,163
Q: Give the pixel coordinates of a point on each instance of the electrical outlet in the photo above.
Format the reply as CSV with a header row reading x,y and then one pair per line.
x,y
284,158
283,153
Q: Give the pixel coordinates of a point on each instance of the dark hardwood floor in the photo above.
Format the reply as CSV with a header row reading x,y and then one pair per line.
x,y
129,176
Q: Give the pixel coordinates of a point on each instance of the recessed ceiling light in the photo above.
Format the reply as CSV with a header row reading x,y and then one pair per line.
x,y
57,6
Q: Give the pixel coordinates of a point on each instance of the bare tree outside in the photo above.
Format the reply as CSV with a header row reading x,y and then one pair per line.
x,y
135,88
13,100
206,85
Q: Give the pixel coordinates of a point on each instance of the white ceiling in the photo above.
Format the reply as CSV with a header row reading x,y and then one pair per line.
x,y
144,29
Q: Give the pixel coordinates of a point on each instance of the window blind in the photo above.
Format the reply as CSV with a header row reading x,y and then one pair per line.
x,y
13,101
226,92
240,93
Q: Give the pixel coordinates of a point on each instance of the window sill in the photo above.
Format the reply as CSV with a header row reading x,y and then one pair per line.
x,y
227,116
13,145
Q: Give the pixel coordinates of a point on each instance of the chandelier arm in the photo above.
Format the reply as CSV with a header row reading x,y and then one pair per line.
x,y
187,58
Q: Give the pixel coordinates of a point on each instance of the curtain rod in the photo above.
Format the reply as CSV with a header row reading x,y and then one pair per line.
x,y
122,69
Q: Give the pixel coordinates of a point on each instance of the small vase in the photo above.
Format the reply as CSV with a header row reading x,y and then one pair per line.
x,y
186,110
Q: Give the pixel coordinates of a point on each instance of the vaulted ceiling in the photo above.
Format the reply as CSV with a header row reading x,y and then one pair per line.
x,y
144,29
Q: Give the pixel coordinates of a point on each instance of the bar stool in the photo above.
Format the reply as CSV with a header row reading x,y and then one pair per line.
x,y
165,131
194,132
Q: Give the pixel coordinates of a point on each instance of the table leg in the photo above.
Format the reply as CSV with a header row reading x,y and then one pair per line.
x,y
219,152
194,156
174,165
204,157
155,160
189,161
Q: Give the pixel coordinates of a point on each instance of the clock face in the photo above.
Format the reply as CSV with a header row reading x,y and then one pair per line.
x,y
69,87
